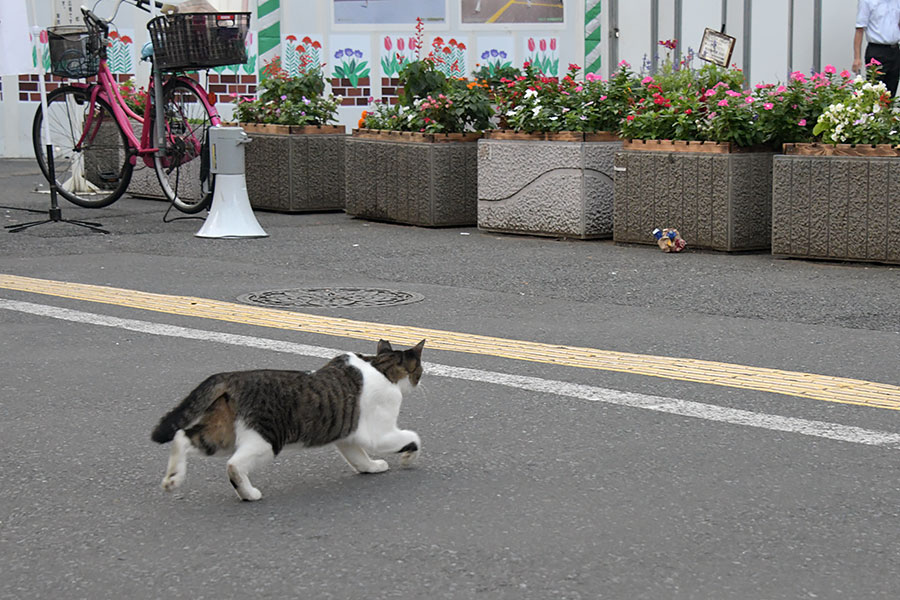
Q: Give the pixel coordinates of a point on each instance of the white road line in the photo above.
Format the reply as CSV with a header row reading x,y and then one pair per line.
x,y
685,408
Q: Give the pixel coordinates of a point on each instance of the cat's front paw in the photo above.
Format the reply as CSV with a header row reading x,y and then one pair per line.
x,y
376,466
172,481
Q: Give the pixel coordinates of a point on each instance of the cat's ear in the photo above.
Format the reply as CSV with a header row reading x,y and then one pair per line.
x,y
383,346
417,349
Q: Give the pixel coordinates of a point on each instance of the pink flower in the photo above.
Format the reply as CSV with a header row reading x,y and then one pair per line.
x,y
629,118
846,74
732,93
798,76
531,44
723,102
624,63
768,106
749,99
830,69
780,89
647,80
802,122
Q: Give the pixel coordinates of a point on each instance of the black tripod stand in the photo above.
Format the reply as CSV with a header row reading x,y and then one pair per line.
x,y
55,212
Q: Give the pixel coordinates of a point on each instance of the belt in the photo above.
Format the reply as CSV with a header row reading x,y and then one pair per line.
x,y
894,45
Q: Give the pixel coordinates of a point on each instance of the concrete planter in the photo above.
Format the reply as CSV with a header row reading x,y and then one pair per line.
x,y
430,180
145,184
718,196
536,185
836,203
295,169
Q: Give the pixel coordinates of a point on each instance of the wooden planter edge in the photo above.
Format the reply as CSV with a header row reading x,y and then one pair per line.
x,y
271,128
389,135
864,150
691,146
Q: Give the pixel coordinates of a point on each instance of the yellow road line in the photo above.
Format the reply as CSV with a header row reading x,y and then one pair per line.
x,y
793,383
497,14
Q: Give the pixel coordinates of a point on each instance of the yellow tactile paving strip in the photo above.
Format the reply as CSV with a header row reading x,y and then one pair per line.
x,y
792,383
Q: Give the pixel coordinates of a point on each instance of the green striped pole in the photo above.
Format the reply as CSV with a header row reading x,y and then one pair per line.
x,y
592,36
268,24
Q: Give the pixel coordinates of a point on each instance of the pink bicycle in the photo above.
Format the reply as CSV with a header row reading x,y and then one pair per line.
x,y
92,130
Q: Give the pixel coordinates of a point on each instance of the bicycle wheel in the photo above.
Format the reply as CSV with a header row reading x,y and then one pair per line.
x,y
184,170
92,168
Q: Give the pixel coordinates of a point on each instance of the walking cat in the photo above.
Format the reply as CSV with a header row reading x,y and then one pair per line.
x,y
352,402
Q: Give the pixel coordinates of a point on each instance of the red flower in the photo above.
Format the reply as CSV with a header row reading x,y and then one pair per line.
x,y
114,35
543,45
530,45
43,36
438,41
387,43
126,40
447,50
316,45
629,118
291,38
553,43
307,40
452,42
400,44
461,46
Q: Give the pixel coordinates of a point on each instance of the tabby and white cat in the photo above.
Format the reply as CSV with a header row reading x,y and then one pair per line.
x,y
352,402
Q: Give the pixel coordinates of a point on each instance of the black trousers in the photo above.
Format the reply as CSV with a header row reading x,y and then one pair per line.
x,y
889,57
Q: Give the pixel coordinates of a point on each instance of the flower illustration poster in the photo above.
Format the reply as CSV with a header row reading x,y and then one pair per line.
x,y
396,50
349,58
494,53
302,53
120,51
543,53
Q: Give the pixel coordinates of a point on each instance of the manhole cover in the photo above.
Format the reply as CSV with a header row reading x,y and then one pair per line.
x,y
330,297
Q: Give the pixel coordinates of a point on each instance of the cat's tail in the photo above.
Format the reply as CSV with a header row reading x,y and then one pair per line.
x,y
194,405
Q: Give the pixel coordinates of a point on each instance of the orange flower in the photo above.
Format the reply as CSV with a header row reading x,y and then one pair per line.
x,y
362,119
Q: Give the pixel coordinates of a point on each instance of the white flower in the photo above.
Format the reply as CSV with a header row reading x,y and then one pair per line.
x,y
530,93
536,110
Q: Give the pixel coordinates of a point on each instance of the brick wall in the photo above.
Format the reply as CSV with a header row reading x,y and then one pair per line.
x,y
29,90
353,96
229,87
390,90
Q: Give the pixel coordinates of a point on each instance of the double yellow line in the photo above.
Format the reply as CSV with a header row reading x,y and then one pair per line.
x,y
791,383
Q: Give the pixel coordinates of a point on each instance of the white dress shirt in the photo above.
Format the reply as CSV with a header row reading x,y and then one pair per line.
x,y
881,20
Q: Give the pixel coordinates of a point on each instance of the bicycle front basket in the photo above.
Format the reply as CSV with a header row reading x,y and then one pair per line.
x,y
74,51
191,41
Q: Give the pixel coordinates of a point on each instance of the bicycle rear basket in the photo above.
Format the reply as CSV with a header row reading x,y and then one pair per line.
x,y
189,41
74,51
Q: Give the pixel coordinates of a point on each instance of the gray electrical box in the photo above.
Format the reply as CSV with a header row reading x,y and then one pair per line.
x,y
226,150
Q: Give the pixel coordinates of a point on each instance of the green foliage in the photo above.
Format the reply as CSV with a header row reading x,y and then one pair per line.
x,y
290,100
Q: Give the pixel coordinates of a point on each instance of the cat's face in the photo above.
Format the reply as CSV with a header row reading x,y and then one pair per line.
x,y
401,365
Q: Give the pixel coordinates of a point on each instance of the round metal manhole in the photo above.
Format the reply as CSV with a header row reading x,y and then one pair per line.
x,y
330,298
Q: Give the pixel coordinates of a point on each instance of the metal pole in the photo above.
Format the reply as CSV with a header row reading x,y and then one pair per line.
x,y
790,40
679,7
817,36
724,14
748,31
654,34
613,36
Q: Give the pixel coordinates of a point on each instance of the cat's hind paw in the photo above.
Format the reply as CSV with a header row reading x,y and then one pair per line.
x,y
376,466
408,454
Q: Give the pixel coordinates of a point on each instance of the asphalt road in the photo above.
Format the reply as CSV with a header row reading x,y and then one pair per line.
x,y
520,492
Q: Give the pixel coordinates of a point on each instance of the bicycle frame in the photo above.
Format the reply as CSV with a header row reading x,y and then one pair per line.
x,y
108,89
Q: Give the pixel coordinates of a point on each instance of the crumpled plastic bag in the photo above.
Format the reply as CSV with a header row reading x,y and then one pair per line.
x,y
669,240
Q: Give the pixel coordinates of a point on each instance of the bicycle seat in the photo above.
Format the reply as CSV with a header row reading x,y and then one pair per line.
x,y
147,51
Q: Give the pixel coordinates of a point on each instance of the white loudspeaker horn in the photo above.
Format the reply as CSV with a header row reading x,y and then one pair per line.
x,y
230,215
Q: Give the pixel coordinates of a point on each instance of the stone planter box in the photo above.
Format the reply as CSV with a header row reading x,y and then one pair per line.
x,y
836,202
718,196
430,180
547,184
144,183
295,169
